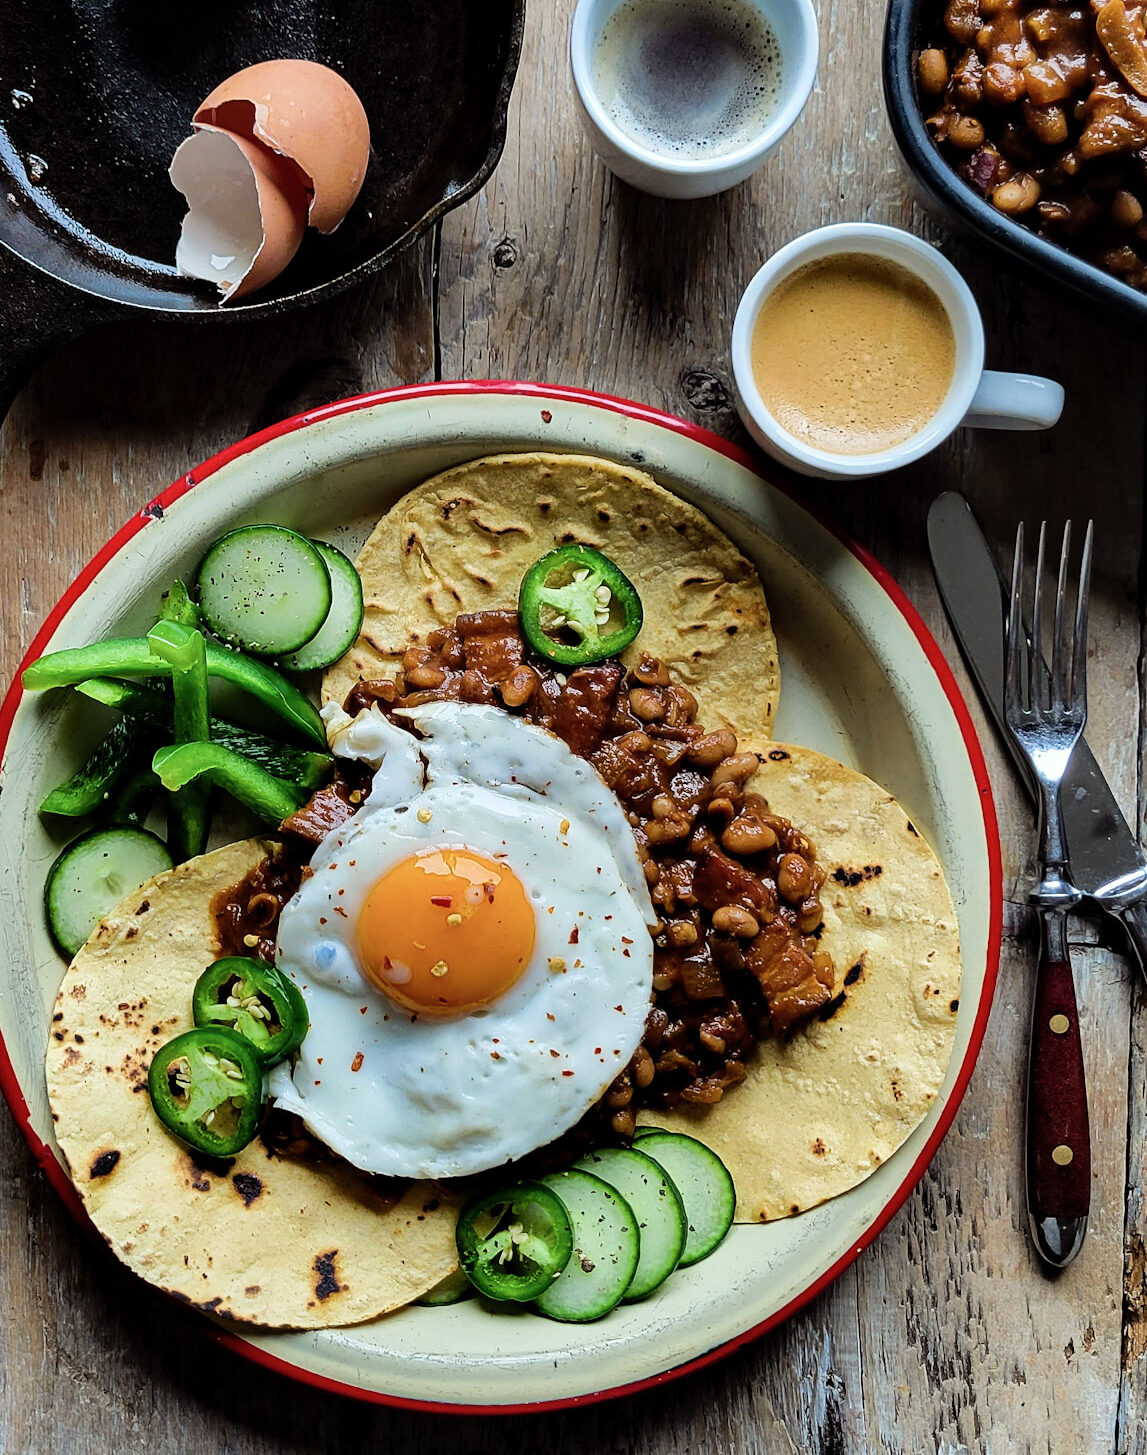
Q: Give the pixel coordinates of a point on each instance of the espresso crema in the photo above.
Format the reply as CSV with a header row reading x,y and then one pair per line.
x,y
688,79
853,354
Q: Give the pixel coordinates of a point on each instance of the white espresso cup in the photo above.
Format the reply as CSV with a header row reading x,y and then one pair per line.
x,y
976,396
662,170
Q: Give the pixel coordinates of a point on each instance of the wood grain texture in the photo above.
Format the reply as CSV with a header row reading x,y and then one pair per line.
x,y
946,1335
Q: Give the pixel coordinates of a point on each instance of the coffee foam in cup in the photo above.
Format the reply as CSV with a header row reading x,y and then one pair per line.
x,y
690,79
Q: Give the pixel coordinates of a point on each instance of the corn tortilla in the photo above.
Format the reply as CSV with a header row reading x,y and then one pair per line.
x,y
276,1241
821,1110
463,540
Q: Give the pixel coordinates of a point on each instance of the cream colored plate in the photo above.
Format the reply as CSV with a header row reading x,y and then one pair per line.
x,y
862,680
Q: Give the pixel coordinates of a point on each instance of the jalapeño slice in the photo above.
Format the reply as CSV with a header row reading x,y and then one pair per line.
x,y
254,999
207,1088
513,1243
577,607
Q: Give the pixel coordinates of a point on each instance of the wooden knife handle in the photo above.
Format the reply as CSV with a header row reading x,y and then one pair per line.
x,y
1058,1135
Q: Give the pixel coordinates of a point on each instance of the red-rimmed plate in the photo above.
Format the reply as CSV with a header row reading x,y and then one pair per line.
x,y
862,680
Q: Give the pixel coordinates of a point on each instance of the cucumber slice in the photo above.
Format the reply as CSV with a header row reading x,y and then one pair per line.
x,y
93,874
453,1289
338,632
650,1192
704,1185
606,1248
263,588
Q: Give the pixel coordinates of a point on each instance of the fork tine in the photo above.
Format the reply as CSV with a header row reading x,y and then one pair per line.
x,y
1062,660
1013,668
1079,648
1037,697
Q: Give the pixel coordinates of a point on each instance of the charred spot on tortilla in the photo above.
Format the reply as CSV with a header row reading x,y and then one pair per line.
x,y
327,1282
897,1094
954,1006
778,755
818,1148
828,1010
144,907
850,878
248,1186
854,972
104,1164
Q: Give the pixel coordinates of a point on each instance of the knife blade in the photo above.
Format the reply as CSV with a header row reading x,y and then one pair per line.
x,y
1107,864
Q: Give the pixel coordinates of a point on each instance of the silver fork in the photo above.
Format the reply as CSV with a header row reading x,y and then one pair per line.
x,y
1046,708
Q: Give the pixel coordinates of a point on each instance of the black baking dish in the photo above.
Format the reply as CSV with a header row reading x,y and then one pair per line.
x,y
958,203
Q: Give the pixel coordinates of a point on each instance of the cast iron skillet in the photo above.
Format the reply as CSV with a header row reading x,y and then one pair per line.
x,y
95,95
956,202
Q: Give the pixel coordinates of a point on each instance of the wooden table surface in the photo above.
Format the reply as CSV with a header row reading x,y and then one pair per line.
x,y
945,1335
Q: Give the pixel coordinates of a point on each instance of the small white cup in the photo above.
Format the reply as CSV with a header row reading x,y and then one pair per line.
x,y
976,396
793,22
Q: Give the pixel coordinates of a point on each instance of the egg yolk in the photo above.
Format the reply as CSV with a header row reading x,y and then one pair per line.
x,y
445,931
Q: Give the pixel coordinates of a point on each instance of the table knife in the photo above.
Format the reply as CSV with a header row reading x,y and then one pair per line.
x,y
1107,864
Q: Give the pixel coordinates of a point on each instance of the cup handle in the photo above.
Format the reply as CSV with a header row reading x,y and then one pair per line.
x,y
1014,401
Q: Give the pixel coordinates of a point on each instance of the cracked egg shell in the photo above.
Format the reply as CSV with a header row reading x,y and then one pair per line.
x,y
246,211
309,115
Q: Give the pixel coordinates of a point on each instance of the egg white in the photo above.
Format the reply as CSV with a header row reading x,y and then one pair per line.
x,y
429,1096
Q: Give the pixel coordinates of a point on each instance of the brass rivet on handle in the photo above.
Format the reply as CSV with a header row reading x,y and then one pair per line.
x,y
1061,1155
1059,1024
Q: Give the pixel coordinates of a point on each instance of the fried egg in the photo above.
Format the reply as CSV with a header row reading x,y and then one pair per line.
x,y
473,946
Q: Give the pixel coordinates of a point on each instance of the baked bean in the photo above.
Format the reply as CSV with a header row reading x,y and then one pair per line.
x,y
711,1042
748,834
620,1093
1126,209
681,934
637,743
681,704
735,769
1018,195
646,705
642,1065
652,672
668,830
651,871
966,133
415,657
731,919
663,980
708,750
932,71
519,686
794,877
722,807
623,1122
